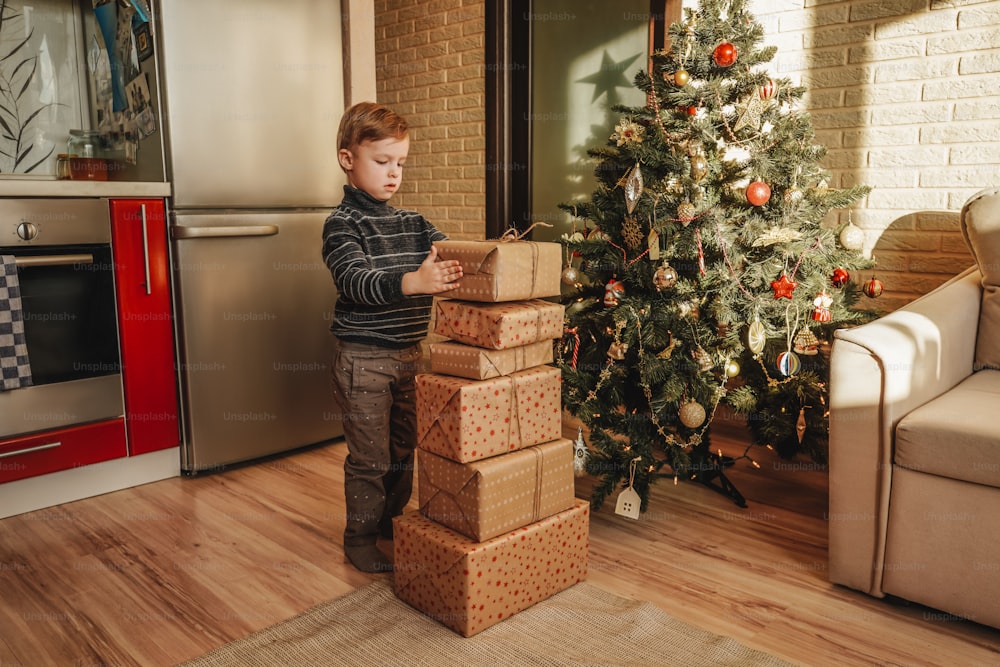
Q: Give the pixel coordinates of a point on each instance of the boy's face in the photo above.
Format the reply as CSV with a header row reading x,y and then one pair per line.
x,y
376,166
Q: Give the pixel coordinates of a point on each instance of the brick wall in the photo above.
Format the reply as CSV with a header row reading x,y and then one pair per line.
x,y
429,59
906,96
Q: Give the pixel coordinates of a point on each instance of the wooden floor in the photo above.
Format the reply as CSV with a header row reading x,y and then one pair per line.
x,y
166,571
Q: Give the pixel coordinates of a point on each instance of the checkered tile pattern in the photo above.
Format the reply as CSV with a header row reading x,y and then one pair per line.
x,y
15,371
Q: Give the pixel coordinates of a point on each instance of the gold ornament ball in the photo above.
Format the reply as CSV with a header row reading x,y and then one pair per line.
x,y
793,195
873,288
686,212
681,77
699,167
692,414
665,277
732,368
570,276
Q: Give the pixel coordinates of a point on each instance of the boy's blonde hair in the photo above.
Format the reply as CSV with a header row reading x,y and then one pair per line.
x,y
370,121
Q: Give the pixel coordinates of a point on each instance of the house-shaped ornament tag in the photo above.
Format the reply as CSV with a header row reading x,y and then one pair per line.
x,y
628,500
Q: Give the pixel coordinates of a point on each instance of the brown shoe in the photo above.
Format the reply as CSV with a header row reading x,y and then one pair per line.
x,y
368,558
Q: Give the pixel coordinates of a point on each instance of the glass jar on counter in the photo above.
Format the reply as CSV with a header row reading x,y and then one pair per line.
x,y
85,143
87,161
63,172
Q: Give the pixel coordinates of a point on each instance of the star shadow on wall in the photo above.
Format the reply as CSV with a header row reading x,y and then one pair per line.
x,y
610,76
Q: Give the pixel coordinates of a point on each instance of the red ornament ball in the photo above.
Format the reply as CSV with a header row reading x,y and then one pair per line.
x,y
840,277
872,288
725,55
758,193
692,110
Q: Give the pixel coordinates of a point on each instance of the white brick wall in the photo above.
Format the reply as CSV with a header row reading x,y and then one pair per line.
x,y
906,96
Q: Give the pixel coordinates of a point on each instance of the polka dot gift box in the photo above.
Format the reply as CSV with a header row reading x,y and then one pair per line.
x,y
490,497
467,420
476,363
469,586
498,326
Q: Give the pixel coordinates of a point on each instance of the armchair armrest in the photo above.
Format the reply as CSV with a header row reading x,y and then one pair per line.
x,y
879,372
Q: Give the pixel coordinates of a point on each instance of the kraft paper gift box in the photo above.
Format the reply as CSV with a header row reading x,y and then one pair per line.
x,y
478,363
469,586
497,271
467,420
498,326
493,496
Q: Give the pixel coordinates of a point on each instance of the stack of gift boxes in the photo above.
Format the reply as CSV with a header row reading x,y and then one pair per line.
x,y
499,527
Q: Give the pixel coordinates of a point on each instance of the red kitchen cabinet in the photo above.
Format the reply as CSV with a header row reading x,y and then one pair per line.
x,y
42,453
146,332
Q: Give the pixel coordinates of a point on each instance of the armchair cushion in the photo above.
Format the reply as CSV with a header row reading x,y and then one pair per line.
x,y
949,437
980,219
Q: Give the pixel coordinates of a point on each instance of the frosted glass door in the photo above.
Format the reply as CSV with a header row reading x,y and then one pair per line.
x,y
585,54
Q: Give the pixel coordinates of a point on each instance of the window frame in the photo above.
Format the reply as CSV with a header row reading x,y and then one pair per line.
x,y
508,68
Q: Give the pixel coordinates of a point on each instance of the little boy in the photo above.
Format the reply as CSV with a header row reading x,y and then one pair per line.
x,y
385,270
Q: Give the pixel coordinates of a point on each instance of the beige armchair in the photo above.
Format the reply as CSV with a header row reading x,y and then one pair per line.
x,y
915,441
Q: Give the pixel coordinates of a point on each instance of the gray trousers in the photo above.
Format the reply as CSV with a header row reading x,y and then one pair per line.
x,y
373,388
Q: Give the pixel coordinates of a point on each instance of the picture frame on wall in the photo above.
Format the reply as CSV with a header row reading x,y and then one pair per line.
x,y
143,41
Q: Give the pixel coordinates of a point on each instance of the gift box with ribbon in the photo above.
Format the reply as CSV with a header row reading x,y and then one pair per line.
x,y
469,586
498,326
476,363
492,496
504,270
466,420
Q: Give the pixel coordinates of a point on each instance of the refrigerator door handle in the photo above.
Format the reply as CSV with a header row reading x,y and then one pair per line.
x,y
218,232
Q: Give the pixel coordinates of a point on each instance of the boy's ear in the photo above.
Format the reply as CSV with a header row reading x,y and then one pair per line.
x,y
346,159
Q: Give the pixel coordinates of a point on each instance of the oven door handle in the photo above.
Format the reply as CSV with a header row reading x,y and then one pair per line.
x,y
212,232
29,450
54,260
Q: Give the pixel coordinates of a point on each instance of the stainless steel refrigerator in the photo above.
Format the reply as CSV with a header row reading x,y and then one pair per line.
x,y
253,94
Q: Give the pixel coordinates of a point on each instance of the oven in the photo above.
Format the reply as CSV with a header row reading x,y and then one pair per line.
x,y
65,271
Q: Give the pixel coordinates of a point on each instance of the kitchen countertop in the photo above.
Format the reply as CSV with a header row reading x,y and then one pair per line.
x,y
33,187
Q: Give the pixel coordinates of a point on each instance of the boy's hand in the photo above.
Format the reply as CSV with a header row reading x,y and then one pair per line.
x,y
433,276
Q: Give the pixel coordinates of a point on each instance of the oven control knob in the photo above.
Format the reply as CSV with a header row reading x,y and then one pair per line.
x,y
27,231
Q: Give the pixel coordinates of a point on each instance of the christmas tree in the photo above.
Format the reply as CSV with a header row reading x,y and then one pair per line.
x,y
708,265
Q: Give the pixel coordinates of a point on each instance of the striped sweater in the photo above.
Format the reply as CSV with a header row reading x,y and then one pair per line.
x,y
368,246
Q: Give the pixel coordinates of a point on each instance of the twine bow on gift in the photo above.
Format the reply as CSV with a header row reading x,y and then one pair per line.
x,y
512,234
520,361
